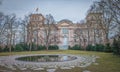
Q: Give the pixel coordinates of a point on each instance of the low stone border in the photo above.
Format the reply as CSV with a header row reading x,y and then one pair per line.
x,y
81,61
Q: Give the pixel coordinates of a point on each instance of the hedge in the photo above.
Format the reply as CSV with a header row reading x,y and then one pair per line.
x,y
75,47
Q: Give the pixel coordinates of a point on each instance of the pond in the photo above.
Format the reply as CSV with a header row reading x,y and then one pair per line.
x,y
47,58
44,61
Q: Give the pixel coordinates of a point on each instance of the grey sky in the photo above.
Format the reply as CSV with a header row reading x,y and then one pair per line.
x,y
74,10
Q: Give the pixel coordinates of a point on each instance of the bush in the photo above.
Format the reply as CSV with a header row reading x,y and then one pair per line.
x,y
34,47
6,49
116,46
76,47
13,48
25,46
108,48
99,47
1,49
56,47
53,47
18,47
89,47
40,47
69,47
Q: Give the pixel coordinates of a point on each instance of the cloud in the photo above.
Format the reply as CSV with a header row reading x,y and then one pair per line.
x,y
74,10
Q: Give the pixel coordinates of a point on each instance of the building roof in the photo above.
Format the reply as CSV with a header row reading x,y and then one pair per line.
x,y
65,21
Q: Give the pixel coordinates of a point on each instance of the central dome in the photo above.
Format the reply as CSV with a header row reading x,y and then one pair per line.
x,y
65,21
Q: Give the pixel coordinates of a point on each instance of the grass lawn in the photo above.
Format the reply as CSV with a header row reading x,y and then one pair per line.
x,y
106,63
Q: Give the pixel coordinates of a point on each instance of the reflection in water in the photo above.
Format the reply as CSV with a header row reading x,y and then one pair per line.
x,y
46,58
64,58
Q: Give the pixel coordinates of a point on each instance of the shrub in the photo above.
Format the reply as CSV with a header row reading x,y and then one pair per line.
x,y
89,47
76,47
93,48
13,48
116,46
108,48
34,47
99,47
1,49
6,49
18,47
115,51
53,47
25,46
56,47
69,47
40,47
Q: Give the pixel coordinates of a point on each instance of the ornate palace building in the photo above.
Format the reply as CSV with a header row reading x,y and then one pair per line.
x,y
66,33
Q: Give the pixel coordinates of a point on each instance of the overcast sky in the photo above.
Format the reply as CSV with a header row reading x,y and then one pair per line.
x,y
74,10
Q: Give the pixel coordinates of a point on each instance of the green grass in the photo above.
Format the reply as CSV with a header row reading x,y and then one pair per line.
x,y
107,61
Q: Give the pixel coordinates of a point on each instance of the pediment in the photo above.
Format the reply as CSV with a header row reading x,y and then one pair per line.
x,y
64,24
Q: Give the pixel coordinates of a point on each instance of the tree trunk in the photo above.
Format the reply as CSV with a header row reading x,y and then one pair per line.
x,y
94,37
37,40
107,39
88,37
14,40
47,46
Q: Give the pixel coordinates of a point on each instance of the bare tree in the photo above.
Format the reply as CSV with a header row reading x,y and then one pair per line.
x,y
34,36
49,21
11,21
80,36
114,6
7,30
23,32
24,26
30,35
2,29
106,22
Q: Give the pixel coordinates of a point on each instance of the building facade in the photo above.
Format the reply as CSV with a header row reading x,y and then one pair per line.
x,y
66,33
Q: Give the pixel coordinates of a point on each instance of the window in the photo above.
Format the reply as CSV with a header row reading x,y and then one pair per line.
x,y
64,30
